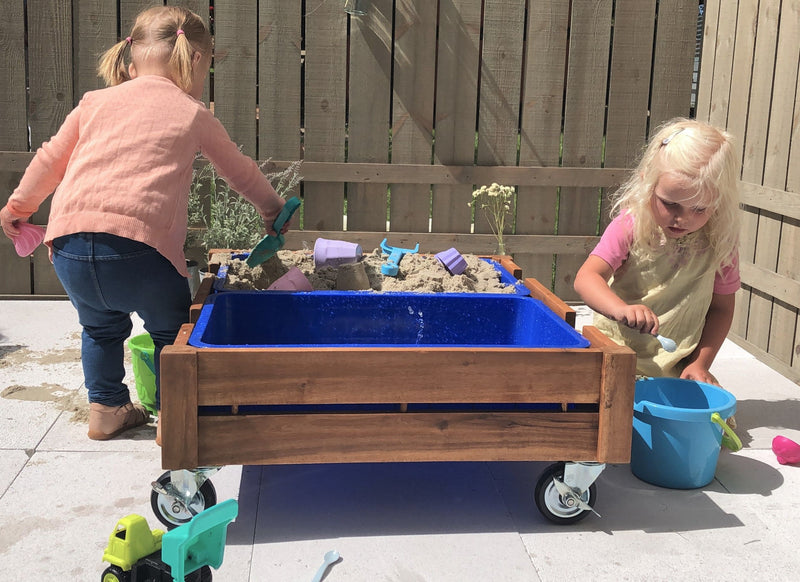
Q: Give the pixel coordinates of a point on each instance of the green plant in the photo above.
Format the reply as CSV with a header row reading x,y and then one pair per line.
x,y
221,218
495,202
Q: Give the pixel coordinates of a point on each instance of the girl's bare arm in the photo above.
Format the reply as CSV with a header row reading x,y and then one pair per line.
x,y
715,330
591,283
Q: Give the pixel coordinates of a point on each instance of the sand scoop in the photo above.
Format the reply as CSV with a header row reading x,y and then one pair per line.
x,y
392,264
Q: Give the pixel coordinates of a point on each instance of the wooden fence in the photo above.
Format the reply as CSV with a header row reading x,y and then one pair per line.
x,y
749,83
398,114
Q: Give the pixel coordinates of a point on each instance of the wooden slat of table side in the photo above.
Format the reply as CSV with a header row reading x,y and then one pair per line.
x,y
244,376
178,415
429,436
617,384
553,303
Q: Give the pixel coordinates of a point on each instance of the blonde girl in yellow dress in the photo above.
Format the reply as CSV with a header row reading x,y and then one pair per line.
x,y
668,262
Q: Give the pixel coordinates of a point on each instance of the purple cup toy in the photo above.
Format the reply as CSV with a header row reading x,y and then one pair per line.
x,y
30,236
332,253
452,261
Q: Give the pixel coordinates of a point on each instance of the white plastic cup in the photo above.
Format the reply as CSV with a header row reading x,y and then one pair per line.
x,y
332,253
293,280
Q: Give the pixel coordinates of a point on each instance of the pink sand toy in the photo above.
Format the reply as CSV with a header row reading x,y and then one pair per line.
x,y
30,236
786,450
293,280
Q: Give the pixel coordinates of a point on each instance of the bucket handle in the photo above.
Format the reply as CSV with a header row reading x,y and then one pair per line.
x,y
151,366
729,438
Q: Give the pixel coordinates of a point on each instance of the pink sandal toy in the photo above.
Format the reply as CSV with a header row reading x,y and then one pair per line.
x,y
30,236
786,450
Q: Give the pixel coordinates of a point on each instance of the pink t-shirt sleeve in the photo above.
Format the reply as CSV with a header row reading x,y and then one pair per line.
x,y
615,243
728,281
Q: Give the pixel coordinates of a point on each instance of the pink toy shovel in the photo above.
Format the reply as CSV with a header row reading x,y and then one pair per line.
x,y
786,450
30,236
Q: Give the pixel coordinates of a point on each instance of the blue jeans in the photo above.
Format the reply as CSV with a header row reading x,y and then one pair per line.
x,y
107,278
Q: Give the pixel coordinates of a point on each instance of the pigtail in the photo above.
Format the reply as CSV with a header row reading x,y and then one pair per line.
x,y
111,67
180,61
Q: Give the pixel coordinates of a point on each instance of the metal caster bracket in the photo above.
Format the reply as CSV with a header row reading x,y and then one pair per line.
x,y
578,477
183,487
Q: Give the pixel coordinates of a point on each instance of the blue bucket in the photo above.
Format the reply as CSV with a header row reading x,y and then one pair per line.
x,y
678,427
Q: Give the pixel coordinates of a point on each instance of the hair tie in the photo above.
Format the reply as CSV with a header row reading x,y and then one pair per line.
x,y
179,32
129,40
669,138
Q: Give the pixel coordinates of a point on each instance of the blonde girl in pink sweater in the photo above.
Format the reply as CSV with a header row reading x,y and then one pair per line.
x,y
119,169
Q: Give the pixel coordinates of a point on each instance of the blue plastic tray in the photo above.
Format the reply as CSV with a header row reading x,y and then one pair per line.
x,y
365,319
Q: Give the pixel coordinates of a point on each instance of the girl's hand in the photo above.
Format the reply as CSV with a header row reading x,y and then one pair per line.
x,y
8,221
698,373
638,317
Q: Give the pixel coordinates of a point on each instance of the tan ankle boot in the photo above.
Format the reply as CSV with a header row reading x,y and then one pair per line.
x,y
106,422
158,430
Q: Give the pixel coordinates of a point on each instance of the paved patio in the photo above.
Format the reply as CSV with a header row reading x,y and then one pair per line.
x,y
61,495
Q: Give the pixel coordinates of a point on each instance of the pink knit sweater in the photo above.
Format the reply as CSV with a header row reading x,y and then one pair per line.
x,y
122,164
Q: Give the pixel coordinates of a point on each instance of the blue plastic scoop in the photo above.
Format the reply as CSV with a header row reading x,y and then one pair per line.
x,y
392,265
271,244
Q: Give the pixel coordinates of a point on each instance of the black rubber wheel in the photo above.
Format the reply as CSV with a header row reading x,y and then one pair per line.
x,y
201,575
549,501
172,516
115,574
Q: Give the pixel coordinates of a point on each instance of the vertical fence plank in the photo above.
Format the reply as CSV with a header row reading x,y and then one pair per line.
x,y
325,88
412,110
279,68
95,25
14,272
629,90
673,60
50,66
500,82
201,8
708,59
723,64
739,105
760,310
13,114
778,230
789,260
742,70
590,32
456,108
49,74
128,10
236,33
540,131
369,110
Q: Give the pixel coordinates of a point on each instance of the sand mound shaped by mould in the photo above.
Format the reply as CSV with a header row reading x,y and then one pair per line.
x,y
418,273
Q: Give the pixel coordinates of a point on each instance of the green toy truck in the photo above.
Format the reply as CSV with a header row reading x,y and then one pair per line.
x,y
138,554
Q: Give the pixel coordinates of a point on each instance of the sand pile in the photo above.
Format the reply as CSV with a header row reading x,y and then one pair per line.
x,y
418,273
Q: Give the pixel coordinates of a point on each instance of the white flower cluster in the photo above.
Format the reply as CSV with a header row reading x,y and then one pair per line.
x,y
495,201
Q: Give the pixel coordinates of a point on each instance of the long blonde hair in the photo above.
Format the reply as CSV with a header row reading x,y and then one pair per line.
x,y
705,157
170,33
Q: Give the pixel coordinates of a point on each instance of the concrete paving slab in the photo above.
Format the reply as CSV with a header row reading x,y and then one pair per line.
x,y
11,463
394,521
61,494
